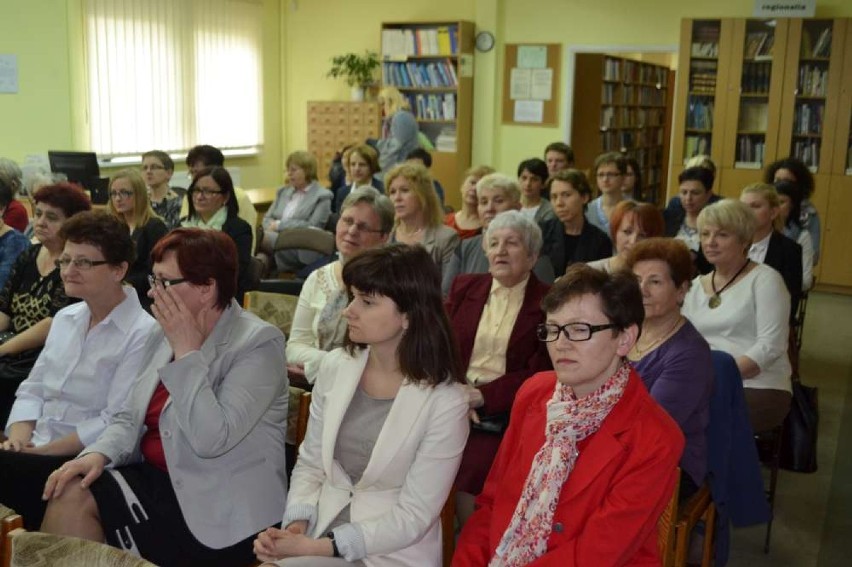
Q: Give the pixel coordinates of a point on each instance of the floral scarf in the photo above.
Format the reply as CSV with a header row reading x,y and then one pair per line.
x,y
215,223
569,421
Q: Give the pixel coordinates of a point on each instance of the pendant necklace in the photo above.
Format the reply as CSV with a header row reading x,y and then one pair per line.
x,y
716,299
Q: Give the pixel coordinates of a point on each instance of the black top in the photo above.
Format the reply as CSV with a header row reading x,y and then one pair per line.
x,y
785,255
240,232
144,237
591,244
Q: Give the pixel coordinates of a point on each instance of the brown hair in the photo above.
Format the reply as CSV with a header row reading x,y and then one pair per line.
x,y
66,196
648,217
104,231
619,293
421,185
203,255
669,250
368,154
142,210
428,351
610,157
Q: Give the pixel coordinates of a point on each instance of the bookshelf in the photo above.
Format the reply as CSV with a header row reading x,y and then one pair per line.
x,y
625,106
431,63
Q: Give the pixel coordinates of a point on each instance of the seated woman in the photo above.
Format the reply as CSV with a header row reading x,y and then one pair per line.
x,y
363,164
495,316
631,222
419,213
12,242
387,429
34,292
399,129
158,168
695,189
213,206
789,211
128,201
580,240
743,308
15,214
466,220
608,172
793,170
769,246
365,221
207,414
92,356
672,358
589,460
532,176
631,185
302,203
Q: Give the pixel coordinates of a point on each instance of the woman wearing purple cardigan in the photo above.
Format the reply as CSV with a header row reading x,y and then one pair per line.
x,y
670,355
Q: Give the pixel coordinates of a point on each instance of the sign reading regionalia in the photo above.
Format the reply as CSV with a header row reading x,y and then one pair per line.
x,y
784,8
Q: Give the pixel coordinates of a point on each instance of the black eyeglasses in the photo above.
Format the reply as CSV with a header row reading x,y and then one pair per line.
x,y
121,193
155,281
206,192
82,264
577,332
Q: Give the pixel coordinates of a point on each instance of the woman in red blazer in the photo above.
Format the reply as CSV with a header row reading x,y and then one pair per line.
x,y
495,316
588,434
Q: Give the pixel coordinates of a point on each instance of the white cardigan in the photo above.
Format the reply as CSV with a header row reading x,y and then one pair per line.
x,y
753,320
397,503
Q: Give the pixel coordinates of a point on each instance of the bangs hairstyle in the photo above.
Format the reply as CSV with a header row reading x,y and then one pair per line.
x,y
648,217
307,163
574,177
610,158
619,294
703,175
105,232
202,255
368,154
669,250
223,179
427,352
165,159
421,185
141,203
731,215
534,166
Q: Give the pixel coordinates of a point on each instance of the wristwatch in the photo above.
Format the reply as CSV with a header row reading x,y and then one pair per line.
x,y
334,550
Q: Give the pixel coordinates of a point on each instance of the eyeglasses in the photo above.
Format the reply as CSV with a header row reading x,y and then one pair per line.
x,y
155,281
124,194
577,332
349,222
82,264
206,192
152,167
608,174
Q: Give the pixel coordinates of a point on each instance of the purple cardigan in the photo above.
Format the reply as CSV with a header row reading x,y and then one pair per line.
x,y
679,376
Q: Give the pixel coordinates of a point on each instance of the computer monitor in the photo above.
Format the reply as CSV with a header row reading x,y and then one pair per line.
x,y
79,167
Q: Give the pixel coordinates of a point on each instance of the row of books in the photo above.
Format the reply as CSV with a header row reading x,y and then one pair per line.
x,y
822,47
622,140
625,117
705,49
808,118
696,145
400,43
633,72
630,94
813,80
705,40
755,78
420,74
702,76
699,115
759,45
647,157
750,149
754,117
433,106
807,151
651,96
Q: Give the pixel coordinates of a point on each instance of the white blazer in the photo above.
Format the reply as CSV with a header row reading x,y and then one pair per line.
x,y
397,502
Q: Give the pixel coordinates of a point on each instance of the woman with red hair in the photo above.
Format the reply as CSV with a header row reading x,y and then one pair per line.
x,y
631,222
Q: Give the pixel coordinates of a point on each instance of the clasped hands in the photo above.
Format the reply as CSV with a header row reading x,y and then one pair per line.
x,y
273,544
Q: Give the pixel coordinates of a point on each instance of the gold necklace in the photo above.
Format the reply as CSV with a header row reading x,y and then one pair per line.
x,y
641,352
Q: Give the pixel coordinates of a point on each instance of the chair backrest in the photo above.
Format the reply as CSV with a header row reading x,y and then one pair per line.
x,y
275,308
666,527
314,239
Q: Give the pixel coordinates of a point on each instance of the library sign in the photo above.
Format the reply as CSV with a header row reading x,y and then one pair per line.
x,y
784,8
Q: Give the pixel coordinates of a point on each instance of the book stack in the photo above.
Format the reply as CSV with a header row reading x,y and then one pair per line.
x,y
420,74
435,106
402,43
446,140
807,151
750,151
808,119
702,77
651,96
812,80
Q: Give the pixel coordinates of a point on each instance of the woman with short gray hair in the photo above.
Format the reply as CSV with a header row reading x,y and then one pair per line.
x,y
495,316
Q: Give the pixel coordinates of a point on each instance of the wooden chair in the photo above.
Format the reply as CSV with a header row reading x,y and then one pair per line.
x,y
699,507
302,420
666,527
9,521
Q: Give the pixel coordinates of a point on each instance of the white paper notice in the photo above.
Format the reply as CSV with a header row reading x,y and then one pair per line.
x,y
542,84
532,56
529,111
521,84
8,73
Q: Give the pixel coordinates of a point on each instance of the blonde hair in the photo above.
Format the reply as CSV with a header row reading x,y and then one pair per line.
x,y
418,176
504,183
701,161
479,171
142,210
769,194
730,215
394,99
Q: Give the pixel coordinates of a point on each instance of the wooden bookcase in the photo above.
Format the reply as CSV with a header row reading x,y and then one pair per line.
x,y
622,105
431,63
333,125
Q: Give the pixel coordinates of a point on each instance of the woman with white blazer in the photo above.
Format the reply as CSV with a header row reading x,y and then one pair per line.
x,y
387,429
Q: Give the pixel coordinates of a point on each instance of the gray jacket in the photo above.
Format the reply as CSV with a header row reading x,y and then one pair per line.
x,y
313,210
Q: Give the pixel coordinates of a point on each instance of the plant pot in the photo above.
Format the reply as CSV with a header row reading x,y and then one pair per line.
x,y
357,94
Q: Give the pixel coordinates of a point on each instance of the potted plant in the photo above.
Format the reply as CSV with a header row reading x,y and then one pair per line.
x,y
356,69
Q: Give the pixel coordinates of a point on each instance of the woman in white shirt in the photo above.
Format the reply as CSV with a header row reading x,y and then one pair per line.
x,y
742,308
91,357
366,219
387,429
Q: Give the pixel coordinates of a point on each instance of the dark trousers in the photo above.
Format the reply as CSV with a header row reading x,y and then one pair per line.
x,y
22,478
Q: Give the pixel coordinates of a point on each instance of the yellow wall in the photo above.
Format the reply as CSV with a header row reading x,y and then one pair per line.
x,y
301,36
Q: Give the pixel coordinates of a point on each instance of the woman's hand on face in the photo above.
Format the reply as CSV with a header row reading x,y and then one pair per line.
x,y
184,330
475,398
88,466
